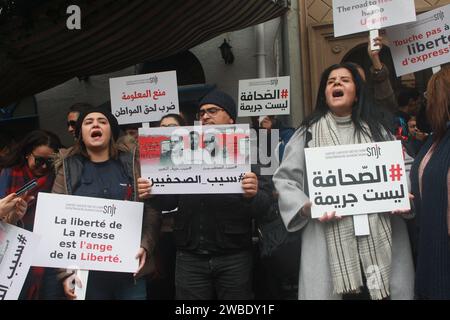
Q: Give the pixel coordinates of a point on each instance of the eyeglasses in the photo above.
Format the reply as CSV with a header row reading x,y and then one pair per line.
x,y
40,161
212,112
71,123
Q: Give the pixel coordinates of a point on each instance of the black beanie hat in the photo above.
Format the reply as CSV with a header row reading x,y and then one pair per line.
x,y
221,99
115,129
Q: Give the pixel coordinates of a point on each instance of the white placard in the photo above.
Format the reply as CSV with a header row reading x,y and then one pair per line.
x,y
198,159
422,44
357,178
88,233
17,248
268,96
144,97
353,16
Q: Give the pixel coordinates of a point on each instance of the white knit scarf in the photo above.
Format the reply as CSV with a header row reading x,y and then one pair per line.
x,y
346,251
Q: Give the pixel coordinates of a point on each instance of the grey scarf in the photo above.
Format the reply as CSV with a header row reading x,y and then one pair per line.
x,y
346,251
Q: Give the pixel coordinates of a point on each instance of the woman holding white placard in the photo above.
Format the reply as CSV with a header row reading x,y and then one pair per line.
x,y
336,264
99,167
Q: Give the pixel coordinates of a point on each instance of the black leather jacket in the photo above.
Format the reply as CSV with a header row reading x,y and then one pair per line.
x,y
217,223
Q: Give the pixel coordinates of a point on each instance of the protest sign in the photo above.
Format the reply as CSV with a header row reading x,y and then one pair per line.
x,y
17,248
259,97
353,16
144,97
200,159
87,233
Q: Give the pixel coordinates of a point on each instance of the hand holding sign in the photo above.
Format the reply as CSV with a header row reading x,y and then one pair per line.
x,y
142,256
75,286
305,212
250,185
144,188
13,207
374,49
329,216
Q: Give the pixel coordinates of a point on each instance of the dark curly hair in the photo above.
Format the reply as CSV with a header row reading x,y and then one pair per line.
x,y
364,109
34,139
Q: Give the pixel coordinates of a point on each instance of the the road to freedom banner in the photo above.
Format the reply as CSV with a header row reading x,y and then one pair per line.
x,y
353,16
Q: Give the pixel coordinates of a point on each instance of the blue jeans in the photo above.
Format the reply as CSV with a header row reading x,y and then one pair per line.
x,y
206,277
104,285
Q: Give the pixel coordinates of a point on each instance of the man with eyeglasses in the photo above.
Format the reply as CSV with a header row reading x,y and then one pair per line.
x,y
210,114
213,232
72,116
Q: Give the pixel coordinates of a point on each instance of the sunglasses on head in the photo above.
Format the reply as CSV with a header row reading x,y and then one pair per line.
x,y
40,161
71,123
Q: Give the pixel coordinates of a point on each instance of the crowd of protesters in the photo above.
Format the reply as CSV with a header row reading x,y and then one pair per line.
x,y
261,243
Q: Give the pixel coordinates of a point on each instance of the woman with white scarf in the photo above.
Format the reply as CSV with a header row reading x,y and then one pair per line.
x,y
334,263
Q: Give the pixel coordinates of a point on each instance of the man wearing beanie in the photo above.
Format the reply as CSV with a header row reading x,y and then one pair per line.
x,y
219,107
98,167
213,232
